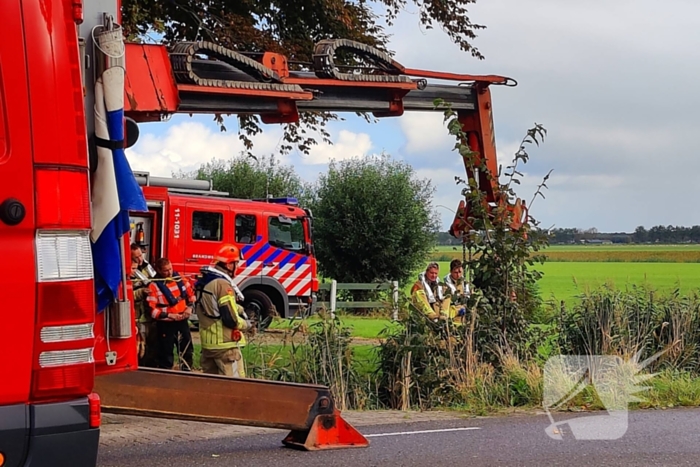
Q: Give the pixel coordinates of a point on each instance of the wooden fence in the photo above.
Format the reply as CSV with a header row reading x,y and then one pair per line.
x,y
334,304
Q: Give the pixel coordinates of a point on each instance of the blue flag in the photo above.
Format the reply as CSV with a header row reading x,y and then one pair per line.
x,y
115,190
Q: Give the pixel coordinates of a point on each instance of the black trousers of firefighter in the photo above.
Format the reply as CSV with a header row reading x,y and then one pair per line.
x,y
174,334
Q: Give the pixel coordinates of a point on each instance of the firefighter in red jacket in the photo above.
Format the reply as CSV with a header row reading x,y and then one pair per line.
x,y
221,320
170,298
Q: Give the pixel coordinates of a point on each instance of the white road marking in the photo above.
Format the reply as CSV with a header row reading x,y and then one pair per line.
x,y
422,431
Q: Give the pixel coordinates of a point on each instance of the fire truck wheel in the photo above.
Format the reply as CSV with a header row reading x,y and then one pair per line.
x,y
258,307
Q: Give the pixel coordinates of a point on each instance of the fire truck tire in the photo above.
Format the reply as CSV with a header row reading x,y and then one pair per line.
x,y
258,306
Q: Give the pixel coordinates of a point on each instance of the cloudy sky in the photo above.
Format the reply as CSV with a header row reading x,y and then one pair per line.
x,y
613,81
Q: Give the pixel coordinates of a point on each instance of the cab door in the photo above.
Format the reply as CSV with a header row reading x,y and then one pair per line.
x,y
146,231
206,228
286,238
247,237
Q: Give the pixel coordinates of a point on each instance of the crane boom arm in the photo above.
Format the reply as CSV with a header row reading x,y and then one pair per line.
x,y
205,78
223,82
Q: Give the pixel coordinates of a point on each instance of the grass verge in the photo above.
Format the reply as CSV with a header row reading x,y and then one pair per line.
x,y
519,387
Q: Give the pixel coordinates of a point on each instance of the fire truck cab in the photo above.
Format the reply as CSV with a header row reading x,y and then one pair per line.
x,y
187,221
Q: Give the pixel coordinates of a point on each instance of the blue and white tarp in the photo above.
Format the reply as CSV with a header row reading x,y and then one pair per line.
x,y
115,191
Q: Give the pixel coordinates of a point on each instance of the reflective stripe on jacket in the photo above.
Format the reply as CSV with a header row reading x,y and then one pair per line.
x,y
218,296
158,301
420,300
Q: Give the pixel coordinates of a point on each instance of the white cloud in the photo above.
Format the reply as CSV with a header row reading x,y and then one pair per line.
x,y
636,140
346,145
447,191
573,182
425,132
187,145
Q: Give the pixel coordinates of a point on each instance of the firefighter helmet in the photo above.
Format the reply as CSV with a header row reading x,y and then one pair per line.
x,y
228,253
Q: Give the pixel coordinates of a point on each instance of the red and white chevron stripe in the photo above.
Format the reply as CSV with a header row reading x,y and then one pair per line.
x,y
296,282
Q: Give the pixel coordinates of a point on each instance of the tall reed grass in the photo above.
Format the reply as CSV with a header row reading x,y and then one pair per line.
x,y
425,365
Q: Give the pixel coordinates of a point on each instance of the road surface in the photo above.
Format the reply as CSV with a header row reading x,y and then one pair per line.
x,y
653,437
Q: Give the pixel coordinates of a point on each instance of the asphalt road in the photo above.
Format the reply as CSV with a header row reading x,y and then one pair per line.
x,y
653,437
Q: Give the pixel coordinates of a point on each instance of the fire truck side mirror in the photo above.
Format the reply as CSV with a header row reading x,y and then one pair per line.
x,y
132,132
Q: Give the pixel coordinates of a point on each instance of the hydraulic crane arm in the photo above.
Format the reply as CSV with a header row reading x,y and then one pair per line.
x,y
184,82
201,77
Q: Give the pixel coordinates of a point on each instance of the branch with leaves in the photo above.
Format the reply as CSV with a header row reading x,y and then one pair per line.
x,y
500,257
522,155
291,27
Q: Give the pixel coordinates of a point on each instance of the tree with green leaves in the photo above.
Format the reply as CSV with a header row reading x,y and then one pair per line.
x,y
291,27
500,258
374,220
248,177
430,364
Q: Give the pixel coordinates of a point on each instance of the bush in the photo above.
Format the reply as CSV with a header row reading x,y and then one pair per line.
x,y
374,220
424,364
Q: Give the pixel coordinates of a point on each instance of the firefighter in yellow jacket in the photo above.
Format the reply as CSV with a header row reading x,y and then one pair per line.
x,y
457,288
430,297
221,323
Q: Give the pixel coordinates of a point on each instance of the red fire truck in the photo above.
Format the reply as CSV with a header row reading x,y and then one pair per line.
x,y
48,415
187,221
67,79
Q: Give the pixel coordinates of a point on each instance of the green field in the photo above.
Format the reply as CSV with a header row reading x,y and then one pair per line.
x,y
362,327
564,280
631,247
663,267
601,253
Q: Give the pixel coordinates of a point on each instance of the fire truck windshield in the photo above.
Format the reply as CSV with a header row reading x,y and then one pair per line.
x,y
287,233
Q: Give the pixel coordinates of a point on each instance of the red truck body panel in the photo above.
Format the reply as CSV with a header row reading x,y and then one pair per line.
x,y
16,244
48,369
